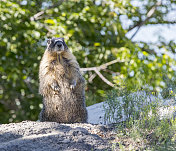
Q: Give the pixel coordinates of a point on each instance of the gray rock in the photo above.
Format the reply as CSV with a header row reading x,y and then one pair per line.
x,y
166,108
50,136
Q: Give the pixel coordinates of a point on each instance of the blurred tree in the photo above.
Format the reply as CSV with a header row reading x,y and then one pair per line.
x,y
93,31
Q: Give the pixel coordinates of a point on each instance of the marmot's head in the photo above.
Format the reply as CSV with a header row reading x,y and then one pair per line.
x,y
56,45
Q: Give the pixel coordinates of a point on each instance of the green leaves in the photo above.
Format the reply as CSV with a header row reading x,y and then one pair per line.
x,y
49,21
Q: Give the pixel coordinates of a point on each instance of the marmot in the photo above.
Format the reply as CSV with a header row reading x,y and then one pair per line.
x,y
61,85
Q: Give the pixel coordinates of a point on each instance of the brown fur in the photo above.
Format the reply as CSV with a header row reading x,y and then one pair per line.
x,y
62,103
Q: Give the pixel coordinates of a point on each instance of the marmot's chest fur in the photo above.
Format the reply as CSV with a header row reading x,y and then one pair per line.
x,y
62,69
62,88
59,67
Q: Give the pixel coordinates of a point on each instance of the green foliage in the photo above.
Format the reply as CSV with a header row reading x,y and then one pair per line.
x,y
94,32
124,105
138,118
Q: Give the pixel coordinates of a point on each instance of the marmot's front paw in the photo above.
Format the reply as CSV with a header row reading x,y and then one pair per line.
x,y
55,86
73,85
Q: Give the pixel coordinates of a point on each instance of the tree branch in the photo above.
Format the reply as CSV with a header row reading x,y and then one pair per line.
x,y
131,28
92,77
163,22
149,15
111,72
103,78
37,15
101,67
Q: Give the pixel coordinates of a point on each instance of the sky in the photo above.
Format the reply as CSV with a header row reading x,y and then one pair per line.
x,y
151,33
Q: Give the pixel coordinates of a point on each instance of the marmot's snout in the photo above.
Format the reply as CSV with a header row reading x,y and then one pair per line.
x,y
56,44
59,46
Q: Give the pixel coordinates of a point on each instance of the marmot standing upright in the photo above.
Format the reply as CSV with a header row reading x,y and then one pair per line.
x,y
61,85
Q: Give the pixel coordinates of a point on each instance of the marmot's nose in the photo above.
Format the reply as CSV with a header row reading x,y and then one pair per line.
x,y
59,44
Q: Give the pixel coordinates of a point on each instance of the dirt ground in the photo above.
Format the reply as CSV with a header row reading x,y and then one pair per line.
x,y
51,136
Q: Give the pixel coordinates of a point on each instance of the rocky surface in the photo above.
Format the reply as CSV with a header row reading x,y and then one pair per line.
x,y
51,136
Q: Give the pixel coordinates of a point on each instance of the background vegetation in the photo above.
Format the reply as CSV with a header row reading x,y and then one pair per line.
x,y
94,30
142,120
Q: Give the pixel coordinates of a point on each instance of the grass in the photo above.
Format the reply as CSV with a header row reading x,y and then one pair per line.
x,y
140,126
141,139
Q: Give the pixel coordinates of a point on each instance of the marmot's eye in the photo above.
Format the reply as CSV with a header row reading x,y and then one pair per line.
x,y
48,41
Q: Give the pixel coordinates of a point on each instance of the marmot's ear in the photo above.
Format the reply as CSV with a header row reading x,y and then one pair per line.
x,y
48,41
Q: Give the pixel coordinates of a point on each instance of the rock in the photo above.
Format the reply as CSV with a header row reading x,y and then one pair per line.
x,y
96,113
51,136
166,108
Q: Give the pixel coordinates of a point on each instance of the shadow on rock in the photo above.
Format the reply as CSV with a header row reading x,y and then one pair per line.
x,y
41,136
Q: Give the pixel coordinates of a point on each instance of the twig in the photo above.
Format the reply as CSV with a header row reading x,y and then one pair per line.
x,y
102,67
103,78
111,72
92,77
149,15
37,15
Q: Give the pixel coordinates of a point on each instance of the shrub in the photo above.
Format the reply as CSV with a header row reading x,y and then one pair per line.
x,y
137,115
